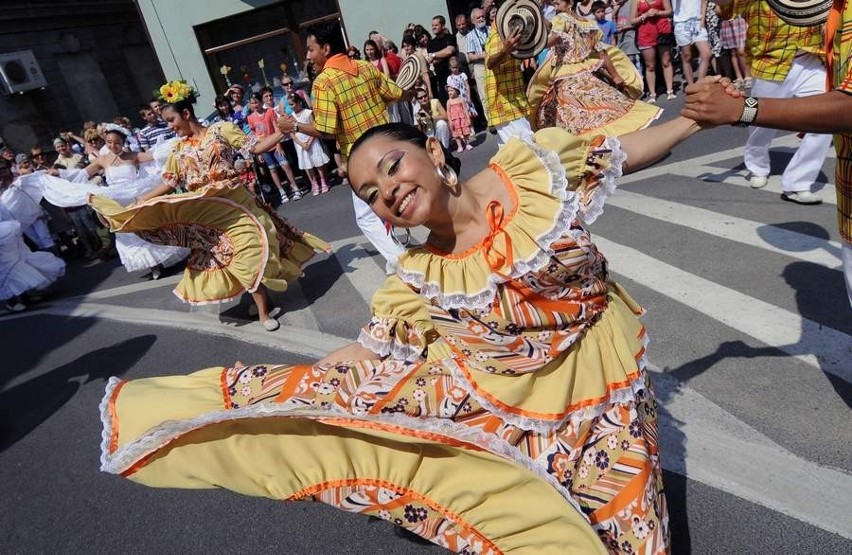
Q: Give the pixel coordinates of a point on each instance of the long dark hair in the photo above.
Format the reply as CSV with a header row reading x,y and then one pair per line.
x,y
407,133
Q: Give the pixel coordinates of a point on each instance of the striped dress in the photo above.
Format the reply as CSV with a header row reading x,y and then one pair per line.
x,y
507,408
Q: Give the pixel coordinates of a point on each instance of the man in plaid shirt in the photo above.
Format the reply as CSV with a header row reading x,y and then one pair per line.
x,y
350,96
786,62
505,95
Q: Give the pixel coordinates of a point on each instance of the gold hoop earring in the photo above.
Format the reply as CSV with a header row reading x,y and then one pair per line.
x,y
447,175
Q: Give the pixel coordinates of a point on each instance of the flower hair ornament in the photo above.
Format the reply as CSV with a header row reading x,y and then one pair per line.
x,y
176,91
115,128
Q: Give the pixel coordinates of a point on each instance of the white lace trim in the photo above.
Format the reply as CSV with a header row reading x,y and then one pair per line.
x,y
166,432
569,211
397,350
106,419
616,162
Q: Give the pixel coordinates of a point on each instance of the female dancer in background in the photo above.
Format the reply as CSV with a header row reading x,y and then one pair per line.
x,y
580,87
236,242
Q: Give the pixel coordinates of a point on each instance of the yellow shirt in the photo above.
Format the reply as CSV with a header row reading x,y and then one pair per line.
x,y
505,97
71,162
772,44
350,98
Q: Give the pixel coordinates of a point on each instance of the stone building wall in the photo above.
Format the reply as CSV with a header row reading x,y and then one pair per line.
x,y
95,56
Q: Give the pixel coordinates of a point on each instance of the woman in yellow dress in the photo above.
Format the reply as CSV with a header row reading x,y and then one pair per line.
x,y
585,86
236,242
497,401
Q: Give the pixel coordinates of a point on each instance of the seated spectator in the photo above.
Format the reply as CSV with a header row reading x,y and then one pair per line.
x,y
67,159
38,158
431,117
7,155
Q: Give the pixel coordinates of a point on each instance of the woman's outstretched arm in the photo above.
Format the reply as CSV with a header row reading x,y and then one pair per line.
x,y
646,146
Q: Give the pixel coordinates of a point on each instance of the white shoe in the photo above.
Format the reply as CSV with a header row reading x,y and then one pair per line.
x,y
801,197
276,310
271,324
758,181
156,273
15,307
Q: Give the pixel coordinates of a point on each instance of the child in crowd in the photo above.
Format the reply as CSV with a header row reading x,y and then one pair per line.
x,y
458,79
312,157
458,111
606,26
261,122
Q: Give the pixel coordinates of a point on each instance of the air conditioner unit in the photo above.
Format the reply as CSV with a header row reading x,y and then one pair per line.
x,y
19,72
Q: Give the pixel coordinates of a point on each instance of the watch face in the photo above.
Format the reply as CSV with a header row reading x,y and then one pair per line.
x,y
751,102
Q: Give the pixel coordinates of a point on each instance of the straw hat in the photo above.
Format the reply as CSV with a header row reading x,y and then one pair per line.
x,y
526,15
801,13
409,71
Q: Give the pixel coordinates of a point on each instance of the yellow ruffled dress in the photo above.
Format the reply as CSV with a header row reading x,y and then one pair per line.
x,y
568,91
236,242
507,408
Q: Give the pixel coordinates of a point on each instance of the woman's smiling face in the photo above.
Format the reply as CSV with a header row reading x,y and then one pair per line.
x,y
398,180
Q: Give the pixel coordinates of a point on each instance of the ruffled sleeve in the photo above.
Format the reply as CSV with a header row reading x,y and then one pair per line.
x,y
235,137
171,170
591,166
401,326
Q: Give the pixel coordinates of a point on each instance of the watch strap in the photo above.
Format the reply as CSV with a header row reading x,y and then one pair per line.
x,y
749,112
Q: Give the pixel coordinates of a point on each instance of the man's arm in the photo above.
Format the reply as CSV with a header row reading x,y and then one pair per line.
x,y
831,112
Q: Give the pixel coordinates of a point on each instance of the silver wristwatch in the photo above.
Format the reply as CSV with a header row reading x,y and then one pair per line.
x,y
749,112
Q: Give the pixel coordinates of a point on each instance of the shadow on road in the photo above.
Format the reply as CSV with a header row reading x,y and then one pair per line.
x,y
25,406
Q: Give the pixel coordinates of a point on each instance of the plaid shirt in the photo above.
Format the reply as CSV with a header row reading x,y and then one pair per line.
x,y
772,44
347,105
841,80
505,97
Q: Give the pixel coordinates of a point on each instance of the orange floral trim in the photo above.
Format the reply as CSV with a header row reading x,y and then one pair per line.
x,y
223,384
113,417
629,494
432,504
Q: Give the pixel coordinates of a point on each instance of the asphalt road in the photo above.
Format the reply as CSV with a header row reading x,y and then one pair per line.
x,y
752,337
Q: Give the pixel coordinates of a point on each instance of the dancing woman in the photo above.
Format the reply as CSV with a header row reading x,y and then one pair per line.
x,y
496,401
236,243
585,86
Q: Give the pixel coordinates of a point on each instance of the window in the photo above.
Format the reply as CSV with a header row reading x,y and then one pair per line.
x,y
272,36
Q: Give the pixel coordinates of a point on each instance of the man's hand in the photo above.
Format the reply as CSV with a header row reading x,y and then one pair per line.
x,y
510,44
286,124
713,101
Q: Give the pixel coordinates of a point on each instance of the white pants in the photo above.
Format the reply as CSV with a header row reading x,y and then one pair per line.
x,y
374,229
442,132
806,78
514,128
847,269
478,70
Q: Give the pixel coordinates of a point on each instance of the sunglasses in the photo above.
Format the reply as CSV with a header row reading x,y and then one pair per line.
x,y
38,155
288,84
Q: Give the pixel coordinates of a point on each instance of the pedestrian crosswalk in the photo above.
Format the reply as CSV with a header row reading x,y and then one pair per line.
x,y
784,442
